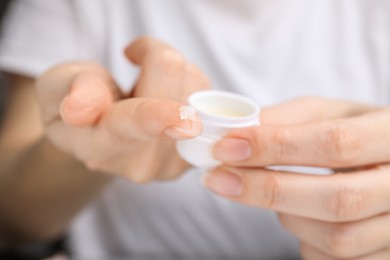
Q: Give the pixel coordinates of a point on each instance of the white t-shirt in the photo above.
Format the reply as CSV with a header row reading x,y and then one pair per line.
x,y
270,50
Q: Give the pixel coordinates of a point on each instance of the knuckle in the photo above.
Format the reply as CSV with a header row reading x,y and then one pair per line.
x,y
347,201
283,147
261,141
343,143
341,241
271,196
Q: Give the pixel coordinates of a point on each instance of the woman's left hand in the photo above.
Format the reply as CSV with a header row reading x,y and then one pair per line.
x,y
345,215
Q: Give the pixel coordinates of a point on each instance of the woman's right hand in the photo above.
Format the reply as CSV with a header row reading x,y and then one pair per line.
x,y
86,115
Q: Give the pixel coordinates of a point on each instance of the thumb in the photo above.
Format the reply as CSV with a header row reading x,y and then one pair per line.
x,y
145,119
89,97
77,92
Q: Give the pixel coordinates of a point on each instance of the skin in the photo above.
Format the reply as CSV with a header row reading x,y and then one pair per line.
x,y
340,216
93,131
88,132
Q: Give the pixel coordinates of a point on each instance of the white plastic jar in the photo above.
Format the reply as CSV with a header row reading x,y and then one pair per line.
x,y
219,112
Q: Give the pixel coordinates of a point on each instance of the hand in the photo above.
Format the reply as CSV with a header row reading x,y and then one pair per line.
x,y
87,116
340,216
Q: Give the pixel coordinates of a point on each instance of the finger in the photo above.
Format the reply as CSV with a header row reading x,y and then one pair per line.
x,y
143,46
357,141
312,109
344,240
66,81
163,69
89,97
166,68
311,253
146,119
334,198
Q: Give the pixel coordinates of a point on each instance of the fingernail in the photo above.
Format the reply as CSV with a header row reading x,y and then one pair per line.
x,y
178,133
232,150
223,183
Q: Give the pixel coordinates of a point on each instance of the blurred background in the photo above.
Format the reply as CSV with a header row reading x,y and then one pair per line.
x,y
3,7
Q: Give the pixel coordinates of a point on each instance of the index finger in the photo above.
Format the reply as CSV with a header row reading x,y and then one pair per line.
x,y
146,119
340,143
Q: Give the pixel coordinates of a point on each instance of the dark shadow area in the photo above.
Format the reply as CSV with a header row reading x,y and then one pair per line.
x,y
3,7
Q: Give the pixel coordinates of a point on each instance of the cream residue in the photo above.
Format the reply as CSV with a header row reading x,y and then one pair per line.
x,y
187,113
